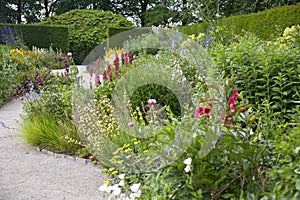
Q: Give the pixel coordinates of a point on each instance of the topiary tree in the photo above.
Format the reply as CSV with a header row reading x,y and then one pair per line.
x,y
87,28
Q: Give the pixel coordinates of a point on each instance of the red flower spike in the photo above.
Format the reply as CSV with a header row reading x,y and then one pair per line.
x,y
104,75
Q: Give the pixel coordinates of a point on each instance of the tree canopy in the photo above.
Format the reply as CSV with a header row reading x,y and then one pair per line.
x,y
142,12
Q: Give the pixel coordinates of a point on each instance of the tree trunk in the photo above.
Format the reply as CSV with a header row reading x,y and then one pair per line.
x,y
47,12
144,4
3,11
19,18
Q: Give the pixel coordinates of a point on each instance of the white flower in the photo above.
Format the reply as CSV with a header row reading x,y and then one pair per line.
x,y
138,193
117,191
187,161
135,187
187,168
123,196
103,188
122,183
115,187
121,176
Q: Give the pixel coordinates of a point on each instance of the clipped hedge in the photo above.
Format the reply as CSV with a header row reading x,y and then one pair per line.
x,y
266,24
40,36
87,28
115,41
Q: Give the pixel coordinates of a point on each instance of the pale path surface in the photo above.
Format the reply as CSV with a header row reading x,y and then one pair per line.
x,y
26,173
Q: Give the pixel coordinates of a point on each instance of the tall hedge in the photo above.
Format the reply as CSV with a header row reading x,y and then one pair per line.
x,y
87,28
41,36
266,24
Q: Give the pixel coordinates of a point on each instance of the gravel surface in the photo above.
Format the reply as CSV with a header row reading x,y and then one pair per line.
x,y
26,173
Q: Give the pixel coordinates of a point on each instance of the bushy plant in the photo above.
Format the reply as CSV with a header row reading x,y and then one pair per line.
x,y
87,29
285,173
264,71
8,75
47,119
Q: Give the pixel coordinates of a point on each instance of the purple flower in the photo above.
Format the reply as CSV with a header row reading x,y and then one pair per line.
x,y
152,102
69,54
2,123
157,56
130,124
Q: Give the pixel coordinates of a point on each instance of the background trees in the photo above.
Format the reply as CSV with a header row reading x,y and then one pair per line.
x,y
142,12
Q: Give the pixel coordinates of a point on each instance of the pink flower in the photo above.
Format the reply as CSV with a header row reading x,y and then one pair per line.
x,y
97,79
108,68
130,124
104,75
227,121
110,76
98,62
152,102
69,54
202,111
130,57
232,107
91,71
199,112
232,99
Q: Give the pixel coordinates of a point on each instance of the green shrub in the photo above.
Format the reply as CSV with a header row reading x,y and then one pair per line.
x,y
266,24
266,72
117,42
47,119
285,174
87,29
40,36
8,75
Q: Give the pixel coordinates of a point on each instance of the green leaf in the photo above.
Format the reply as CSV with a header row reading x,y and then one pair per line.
x,y
297,184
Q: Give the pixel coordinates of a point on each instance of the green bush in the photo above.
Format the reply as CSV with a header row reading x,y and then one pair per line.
x,y
40,36
87,29
266,24
8,75
47,120
266,72
285,174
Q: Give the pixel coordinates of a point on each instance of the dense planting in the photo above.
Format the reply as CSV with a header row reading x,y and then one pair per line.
x,y
87,29
233,136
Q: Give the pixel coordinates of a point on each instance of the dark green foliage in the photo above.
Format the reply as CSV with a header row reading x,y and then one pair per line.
x,y
40,36
87,29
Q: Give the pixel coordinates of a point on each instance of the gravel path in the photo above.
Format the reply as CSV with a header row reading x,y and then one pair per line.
x,y
26,173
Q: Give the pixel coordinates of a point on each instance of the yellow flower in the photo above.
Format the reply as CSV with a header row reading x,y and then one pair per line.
x,y
111,169
120,162
114,172
125,146
127,150
107,182
129,156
